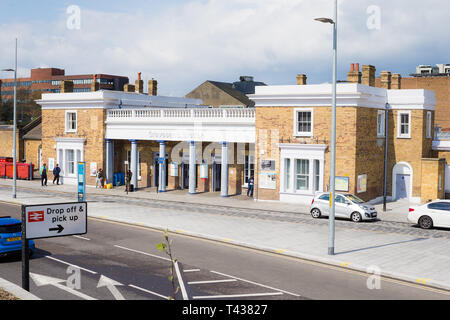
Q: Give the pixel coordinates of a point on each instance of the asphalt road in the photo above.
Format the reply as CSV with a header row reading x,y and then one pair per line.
x,y
117,261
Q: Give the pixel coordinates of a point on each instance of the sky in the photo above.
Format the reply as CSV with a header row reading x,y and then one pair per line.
x,y
182,43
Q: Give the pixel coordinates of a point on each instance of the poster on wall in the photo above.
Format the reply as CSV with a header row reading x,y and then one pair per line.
x,y
203,171
268,165
93,169
342,184
174,169
362,183
51,164
268,180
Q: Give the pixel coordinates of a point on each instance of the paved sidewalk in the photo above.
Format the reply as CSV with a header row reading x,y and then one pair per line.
x,y
412,255
396,211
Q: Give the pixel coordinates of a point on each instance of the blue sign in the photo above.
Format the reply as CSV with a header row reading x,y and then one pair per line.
x,y
161,160
81,181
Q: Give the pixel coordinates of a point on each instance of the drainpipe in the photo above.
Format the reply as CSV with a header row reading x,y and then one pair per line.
x,y
386,120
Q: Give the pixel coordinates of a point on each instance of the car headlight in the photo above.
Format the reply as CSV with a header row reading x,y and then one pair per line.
x,y
365,208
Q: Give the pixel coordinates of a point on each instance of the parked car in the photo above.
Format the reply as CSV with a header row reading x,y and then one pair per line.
x,y
433,214
11,237
346,206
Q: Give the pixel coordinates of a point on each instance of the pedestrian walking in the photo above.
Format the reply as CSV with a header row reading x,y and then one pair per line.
x,y
56,172
251,186
44,175
128,180
99,179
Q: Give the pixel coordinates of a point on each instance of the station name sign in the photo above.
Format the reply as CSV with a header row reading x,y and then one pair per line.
x,y
55,220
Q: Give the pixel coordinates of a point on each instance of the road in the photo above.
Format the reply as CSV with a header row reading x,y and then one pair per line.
x,y
124,260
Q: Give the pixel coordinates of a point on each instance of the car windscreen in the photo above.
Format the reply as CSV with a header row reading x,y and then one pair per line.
x,y
354,198
11,228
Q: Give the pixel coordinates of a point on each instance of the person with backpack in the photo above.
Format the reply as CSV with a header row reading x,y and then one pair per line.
x,y
44,175
251,187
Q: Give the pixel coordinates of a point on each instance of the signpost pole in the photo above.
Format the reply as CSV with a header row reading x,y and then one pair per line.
x,y
25,255
81,181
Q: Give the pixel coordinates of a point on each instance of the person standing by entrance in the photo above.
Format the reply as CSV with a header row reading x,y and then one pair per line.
x,y
56,172
128,177
99,179
44,175
251,187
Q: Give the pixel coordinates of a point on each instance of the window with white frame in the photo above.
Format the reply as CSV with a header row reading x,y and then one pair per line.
x,y
381,123
404,124
304,121
316,175
249,168
71,121
428,124
70,162
302,175
287,180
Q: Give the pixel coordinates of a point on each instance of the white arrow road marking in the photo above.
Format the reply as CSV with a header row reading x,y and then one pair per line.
x,y
41,280
111,285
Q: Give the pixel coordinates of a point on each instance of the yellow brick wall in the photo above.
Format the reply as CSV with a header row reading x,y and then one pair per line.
x,y
90,126
433,171
6,144
32,154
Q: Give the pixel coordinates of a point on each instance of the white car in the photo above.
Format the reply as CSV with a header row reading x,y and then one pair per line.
x,y
433,214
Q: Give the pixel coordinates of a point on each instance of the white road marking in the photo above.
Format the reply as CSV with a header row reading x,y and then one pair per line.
x,y
144,253
191,270
70,264
181,282
42,280
111,285
82,238
212,281
255,283
240,295
151,292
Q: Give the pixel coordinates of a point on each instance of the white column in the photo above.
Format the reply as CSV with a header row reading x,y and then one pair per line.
x,y
224,174
134,163
162,166
192,168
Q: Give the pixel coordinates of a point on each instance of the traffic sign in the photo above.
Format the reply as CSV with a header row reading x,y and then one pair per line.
x,y
55,220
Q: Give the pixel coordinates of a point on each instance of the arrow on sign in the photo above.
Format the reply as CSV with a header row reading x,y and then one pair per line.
x,y
111,285
41,280
59,229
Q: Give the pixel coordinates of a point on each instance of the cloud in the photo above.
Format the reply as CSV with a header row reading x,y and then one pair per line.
x,y
188,43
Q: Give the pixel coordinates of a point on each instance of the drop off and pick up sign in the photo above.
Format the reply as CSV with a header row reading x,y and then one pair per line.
x,y
55,220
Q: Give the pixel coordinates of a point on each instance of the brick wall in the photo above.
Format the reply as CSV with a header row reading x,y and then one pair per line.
x,y
6,144
32,154
433,179
90,126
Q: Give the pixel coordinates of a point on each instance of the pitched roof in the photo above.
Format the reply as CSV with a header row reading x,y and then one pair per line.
x,y
34,134
238,90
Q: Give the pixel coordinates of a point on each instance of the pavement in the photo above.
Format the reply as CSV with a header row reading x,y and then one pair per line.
x,y
391,247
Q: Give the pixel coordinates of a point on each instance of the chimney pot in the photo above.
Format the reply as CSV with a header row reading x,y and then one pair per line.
x,y
352,67
357,67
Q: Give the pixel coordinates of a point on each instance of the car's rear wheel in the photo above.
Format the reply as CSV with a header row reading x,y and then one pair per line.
x,y
425,222
315,213
356,217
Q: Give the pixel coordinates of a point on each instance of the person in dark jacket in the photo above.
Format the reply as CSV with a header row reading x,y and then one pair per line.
x,y
56,172
44,175
251,187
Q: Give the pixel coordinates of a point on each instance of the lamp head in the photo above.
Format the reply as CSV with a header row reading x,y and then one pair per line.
x,y
325,20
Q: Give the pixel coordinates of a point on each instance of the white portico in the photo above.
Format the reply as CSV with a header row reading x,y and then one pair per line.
x,y
142,130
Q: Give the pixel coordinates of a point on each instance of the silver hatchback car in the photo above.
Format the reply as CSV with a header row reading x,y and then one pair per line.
x,y
346,206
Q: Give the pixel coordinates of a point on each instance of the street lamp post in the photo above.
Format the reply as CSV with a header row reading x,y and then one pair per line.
x,y
331,234
14,125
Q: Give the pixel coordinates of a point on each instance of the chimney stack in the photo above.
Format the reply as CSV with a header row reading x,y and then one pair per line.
x,y
153,87
301,79
129,88
66,86
386,78
139,84
368,75
354,76
95,86
396,81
